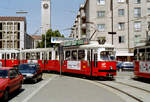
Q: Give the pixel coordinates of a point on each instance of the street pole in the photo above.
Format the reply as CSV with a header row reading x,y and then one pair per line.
x,y
112,20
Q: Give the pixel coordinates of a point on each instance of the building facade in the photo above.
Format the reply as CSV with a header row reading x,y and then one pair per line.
x,y
129,19
37,39
45,15
12,33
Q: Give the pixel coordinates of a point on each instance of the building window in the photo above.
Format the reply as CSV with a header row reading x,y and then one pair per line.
x,y
121,39
121,12
137,39
137,26
137,12
101,2
1,26
121,26
121,1
101,27
137,1
100,14
148,11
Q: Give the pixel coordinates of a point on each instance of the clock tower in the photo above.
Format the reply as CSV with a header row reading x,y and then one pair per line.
x,y
46,15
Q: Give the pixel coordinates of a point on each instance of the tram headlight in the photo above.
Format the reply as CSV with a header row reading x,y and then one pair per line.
x,y
111,68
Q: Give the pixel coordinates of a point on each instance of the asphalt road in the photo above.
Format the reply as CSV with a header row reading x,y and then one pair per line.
x,y
64,89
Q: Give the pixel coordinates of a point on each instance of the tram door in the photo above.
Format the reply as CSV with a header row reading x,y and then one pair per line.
x,y
91,61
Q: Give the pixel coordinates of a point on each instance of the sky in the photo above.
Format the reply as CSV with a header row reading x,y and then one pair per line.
x,y
63,13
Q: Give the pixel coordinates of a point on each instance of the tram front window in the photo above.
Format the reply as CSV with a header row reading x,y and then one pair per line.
x,y
81,55
107,56
67,55
74,55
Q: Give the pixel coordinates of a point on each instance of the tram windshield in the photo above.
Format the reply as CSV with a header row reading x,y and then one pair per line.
x,y
107,56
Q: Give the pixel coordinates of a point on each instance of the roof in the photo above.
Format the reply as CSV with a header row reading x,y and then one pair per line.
x,y
95,44
11,18
36,37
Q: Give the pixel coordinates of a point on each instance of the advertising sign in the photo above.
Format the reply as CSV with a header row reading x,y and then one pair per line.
x,y
75,65
144,67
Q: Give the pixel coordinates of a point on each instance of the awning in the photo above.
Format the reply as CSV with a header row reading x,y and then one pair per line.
x,y
124,54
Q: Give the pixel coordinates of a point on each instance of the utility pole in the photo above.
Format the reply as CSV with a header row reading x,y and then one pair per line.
x,y
112,20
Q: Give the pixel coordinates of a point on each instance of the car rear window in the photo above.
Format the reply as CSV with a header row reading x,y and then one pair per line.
x,y
3,74
27,67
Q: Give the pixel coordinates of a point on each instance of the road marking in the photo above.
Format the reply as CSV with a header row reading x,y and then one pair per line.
x,y
37,90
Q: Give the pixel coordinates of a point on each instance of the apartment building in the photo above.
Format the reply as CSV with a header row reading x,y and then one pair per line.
x,y
129,19
13,34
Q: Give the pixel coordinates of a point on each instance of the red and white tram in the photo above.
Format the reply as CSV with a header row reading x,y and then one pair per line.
x,y
47,58
142,61
9,58
91,59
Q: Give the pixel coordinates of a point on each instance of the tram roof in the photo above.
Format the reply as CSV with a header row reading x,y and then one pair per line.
x,y
38,50
9,51
95,44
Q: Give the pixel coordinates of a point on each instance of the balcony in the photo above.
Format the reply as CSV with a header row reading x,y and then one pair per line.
x,y
83,26
82,14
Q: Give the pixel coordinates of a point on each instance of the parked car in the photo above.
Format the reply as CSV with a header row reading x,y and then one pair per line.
x,y
119,65
30,72
10,80
127,66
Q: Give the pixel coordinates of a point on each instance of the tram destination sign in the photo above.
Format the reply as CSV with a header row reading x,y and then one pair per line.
x,y
75,43
60,39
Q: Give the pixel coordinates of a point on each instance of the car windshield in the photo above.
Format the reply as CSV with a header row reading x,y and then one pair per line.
x,y
3,74
27,67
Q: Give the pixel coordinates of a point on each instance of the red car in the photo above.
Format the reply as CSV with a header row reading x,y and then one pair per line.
x,y
10,80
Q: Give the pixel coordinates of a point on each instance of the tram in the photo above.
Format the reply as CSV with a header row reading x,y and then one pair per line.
x,y
90,59
142,61
78,57
9,58
47,58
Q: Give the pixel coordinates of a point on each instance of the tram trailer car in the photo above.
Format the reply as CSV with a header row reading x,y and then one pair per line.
x,y
47,58
142,61
92,59
9,58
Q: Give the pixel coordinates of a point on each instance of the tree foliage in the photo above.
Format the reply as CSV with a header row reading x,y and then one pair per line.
x,y
49,34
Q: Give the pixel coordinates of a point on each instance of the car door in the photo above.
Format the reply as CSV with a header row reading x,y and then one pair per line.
x,y
12,81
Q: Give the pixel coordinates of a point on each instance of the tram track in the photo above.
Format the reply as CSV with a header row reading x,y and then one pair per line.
x,y
124,92
133,86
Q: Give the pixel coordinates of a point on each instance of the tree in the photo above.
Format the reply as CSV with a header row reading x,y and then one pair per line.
x,y
49,34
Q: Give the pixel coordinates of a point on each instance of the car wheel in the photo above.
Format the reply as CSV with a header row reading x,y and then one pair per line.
x,y
35,80
40,78
20,86
5,96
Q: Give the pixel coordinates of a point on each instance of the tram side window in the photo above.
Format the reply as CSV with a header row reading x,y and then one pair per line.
x,y
148,54
27,56
38,55
88,57
3,56
50,55
135,54
56,57
74,55
81,55
67,55
142,55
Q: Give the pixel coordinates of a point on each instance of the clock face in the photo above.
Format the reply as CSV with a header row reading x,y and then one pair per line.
x,y
45,6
